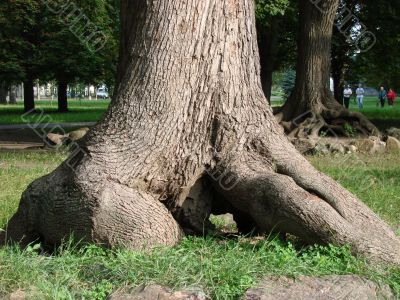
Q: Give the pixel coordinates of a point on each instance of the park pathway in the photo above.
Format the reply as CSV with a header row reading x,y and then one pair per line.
x,y
31,136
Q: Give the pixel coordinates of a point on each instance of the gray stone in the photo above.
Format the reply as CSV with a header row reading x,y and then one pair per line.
x,y
78,134
392,144
318,288
380,147
394,132
367,146
54,139
374,138
352,149
158,292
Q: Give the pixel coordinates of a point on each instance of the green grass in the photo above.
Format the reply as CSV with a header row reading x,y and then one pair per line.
x,y
383,118
91,111
80,111
374,179
224,268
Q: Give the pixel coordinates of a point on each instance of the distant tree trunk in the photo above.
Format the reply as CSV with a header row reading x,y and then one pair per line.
x,y
267,44
3,93
311,108
13,94
189,133
29,96
338,83
62,96
38,91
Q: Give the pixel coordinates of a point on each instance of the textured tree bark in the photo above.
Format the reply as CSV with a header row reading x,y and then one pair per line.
x,y
311,108
190,133
62,96
29,96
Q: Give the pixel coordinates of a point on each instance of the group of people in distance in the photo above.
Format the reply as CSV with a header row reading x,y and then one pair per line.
x,y
383,95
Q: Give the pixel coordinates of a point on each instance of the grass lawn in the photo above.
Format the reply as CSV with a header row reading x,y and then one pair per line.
x,y
383,118
92,110
223,267
80,111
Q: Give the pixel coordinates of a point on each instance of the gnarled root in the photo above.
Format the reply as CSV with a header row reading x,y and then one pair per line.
x,y
295,198
108,213
271,187
329,121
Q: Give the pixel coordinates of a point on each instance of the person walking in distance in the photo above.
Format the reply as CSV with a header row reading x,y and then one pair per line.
x,y
360,96
382,96
391,96
346,96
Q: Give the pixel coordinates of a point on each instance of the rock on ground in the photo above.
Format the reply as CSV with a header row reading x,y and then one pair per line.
x,y
78,134
394,132
330,287
392,144
371,145
54,139
153,292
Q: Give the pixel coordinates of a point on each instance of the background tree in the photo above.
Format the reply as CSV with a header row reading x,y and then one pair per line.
x,y
69,57
19,40
276,20
311,108
381,64
189,133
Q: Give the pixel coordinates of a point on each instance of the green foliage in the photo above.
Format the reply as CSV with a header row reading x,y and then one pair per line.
x,y
20,39
41,43
267,8
350,131
380,65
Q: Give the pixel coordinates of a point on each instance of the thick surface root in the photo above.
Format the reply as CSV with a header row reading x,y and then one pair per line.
x,y
270,187
108,213
297,199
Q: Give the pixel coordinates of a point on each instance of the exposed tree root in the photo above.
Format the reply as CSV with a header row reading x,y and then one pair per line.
x,y
275,190
108,213
329,122
297,199
188,109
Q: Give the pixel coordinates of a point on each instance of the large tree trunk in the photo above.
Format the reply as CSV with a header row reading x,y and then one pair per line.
x,y
190,133
3,93
29,96
311,108
62,96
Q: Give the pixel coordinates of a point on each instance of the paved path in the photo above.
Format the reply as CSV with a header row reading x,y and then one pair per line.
x,y
20,146
47,125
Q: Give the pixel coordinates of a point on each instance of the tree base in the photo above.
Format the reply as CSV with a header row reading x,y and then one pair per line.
x,y
274,189
329,122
